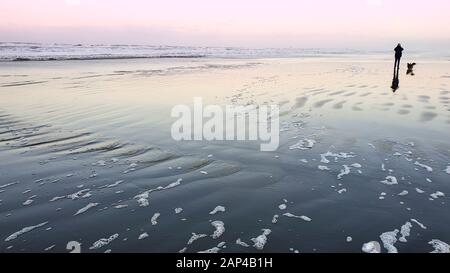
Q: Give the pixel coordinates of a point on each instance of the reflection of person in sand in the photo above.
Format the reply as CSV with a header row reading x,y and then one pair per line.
x,y
395,83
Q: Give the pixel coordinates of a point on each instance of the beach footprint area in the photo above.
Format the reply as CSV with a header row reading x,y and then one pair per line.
x,y
86,156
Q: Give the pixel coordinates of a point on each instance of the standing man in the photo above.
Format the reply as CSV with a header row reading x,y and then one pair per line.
x,y
398,55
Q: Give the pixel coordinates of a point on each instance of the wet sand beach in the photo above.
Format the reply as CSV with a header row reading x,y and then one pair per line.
x,y
86,155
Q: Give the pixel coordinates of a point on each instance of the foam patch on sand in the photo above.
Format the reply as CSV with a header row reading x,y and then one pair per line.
x,y
195,237
422,226
420,191
115,184
78,194
390,180
23,231
343,172
304,218
218,209
143,236
275,219
389,239
428,168
85,193
437,195
86,208
323,168
439,246
178,210
324,157
405,231
220,229
260,241
304,144
14,183
28,202
142,198
104,241
241,243
372,247
154,219
403,193
49,248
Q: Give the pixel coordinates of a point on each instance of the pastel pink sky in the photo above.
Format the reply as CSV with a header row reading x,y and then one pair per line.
x,y
252,23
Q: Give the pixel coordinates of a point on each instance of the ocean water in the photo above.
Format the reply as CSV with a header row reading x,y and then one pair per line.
x,y
18,51
42,52
86,154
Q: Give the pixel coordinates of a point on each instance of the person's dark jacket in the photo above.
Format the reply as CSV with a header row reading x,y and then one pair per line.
x,y
398,52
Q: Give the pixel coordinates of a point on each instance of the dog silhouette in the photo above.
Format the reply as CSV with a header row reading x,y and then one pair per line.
x,y
410,70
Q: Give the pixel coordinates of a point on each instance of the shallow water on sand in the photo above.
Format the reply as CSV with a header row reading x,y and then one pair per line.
x,y
86,153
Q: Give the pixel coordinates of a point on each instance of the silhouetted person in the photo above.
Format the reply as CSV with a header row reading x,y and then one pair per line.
x,y
398,55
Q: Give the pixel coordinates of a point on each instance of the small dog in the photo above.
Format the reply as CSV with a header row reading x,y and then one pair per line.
x,y
410,70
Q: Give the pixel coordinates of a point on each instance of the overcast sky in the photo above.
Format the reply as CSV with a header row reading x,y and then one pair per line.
x,y
374,24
